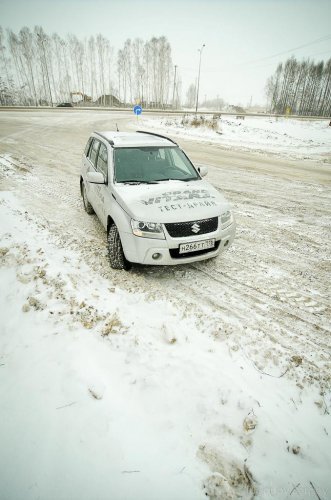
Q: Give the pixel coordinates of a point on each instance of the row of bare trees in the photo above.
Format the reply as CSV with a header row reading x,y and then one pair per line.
x,y
301,87
145,71
39,69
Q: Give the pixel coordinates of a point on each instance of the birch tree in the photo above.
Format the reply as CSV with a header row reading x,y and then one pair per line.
x,y
27,46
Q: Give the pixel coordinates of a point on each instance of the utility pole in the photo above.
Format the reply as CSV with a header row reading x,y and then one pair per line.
x,y
173,94
49,85
197,102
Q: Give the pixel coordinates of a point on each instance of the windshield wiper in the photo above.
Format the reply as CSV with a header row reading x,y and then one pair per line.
x,y
136,182
183,180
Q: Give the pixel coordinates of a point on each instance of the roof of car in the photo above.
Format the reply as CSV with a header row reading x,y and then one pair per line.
x,y
134,139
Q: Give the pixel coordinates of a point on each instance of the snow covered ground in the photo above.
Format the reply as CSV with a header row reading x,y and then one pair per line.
x,y
160,383
301,139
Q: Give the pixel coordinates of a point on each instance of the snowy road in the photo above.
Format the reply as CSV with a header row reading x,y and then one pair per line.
x,y
266,301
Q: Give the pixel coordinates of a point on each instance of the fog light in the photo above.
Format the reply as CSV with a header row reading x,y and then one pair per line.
x,y
156,256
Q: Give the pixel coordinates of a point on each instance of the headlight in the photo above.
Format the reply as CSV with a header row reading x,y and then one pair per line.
x,y
226,219
147,229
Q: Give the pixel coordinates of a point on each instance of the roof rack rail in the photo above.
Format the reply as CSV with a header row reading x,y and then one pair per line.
x,y
157,135
105,138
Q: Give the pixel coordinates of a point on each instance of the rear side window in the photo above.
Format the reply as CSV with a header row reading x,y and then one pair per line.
x,y
94,151
102,162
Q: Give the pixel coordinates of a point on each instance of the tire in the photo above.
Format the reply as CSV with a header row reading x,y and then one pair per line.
x,y
87,205
115,250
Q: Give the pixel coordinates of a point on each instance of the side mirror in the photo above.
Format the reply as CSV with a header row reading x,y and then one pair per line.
x,y
95,177
203,171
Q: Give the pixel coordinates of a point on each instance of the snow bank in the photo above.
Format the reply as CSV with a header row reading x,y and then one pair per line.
x,y
300,139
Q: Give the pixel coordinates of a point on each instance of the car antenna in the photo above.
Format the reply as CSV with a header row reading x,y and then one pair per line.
x,y
117,127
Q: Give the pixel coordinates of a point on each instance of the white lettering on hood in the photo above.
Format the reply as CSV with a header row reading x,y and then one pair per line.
x,y
173,196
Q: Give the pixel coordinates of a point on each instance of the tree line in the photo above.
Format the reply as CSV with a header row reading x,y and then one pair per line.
x,y
300,87
41,69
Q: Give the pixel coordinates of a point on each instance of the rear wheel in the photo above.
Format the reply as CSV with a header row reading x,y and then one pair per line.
x,y
87,205
115,250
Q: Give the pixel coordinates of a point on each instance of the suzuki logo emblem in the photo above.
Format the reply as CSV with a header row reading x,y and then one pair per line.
x,y
195,228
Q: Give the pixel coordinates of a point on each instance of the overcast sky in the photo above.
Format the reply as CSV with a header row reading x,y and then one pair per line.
x,y
241,36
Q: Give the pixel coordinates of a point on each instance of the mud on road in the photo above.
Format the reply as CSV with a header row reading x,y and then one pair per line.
x,y
268,296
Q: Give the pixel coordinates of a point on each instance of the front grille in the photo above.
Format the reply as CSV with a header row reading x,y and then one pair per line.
x,y
183,229
174,252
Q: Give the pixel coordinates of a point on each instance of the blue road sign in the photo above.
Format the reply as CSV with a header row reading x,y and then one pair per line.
x,y
137,110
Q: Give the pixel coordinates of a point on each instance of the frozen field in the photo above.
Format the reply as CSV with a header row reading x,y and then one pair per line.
x,y
163,383
284,137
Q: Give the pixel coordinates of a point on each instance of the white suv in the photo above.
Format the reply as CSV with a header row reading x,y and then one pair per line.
x,y
152,201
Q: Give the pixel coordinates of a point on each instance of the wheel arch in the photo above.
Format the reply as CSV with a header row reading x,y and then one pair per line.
x,y
116,215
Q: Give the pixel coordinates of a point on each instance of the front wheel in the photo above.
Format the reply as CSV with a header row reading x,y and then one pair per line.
x,y
115,250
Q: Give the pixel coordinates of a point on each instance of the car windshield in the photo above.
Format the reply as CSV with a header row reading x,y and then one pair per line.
x,y
152,164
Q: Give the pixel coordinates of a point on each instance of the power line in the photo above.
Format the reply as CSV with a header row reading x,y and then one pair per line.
x,y
323,39
230,67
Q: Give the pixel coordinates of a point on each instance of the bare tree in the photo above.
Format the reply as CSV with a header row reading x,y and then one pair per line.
x,y
27,49
20,75
139,71
92,68
7,89
191,95
4,60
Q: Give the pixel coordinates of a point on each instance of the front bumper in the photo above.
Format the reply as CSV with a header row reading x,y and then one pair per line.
x,y
141,250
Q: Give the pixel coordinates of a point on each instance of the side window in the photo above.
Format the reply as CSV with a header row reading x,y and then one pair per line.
x,y
94,151
102,162
87,147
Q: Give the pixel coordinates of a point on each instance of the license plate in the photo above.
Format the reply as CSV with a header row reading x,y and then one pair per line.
x,y
195,246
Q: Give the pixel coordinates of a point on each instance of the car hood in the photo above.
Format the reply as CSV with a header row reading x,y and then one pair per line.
x,y
171,201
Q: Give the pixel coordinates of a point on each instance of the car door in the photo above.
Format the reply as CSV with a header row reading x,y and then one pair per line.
x,y
101,190
90,164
